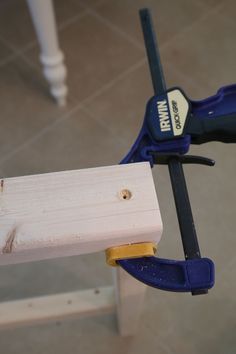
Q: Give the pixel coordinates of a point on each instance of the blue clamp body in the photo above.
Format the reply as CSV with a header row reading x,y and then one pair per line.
x,y
189,275
215,114
165,274
172,122
145,144
192,275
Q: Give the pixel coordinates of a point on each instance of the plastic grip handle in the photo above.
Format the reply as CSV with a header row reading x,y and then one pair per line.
x,y
222,128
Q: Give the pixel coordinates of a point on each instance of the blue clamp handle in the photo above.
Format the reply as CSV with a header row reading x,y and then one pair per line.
x,y
211,119
180,276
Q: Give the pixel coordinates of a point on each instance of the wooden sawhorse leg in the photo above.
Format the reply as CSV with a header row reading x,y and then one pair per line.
x,y
51,57
130,295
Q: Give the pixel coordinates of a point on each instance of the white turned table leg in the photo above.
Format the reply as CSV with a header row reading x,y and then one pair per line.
x,y
130,295
51,57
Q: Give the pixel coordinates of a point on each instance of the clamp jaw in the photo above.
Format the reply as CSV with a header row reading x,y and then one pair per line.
x,y
172,122
194,274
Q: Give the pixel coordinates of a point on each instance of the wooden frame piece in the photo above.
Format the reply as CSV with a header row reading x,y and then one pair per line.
x,y
129,294
50,308
76,212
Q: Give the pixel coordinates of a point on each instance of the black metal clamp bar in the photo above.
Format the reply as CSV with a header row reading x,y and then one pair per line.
x,y
179,187
154,60
194,274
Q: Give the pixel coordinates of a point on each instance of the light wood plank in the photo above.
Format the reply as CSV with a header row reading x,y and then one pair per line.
x,y
56,307
76,212
130,295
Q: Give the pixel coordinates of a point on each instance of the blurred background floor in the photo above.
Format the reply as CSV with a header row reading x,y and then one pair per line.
x,y
109,85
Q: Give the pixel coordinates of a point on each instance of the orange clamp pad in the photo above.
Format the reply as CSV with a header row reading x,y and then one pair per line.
x,y
135,250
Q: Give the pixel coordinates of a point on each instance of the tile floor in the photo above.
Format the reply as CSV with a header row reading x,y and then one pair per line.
x,y
109,84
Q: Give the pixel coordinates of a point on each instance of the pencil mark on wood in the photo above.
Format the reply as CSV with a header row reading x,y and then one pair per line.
x,y
2,185
9,241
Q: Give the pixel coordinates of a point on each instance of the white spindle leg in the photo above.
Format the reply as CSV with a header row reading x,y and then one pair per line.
x,y
51,56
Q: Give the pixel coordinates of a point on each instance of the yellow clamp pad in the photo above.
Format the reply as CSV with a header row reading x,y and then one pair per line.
x,y
135,250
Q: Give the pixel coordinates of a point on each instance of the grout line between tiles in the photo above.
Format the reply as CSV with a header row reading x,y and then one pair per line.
x,y
7,60
8,45
186,78
141,45
188,28
105,87
224,16
103,125
33,43
179,34
116,29
87,6
39,134
164,345
211,7
91,11
72,20
31,64
72,111
10,57
118,78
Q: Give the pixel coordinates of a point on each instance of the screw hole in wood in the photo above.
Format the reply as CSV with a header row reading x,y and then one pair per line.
x,y
125,194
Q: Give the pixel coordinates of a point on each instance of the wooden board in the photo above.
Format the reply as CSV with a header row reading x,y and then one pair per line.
x,y
130,294
76,212
56,307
